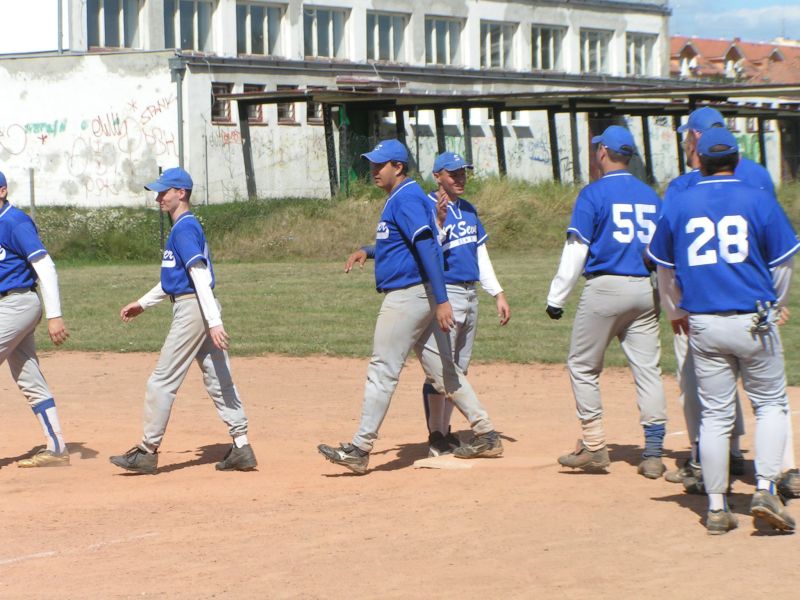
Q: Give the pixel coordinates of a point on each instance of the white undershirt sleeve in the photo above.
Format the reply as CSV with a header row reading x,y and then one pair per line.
x,y
48,282
670,293
153,297
781,278
488,279
573,259
201,277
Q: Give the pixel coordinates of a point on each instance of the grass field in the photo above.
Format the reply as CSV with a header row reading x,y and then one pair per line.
x,y
312,307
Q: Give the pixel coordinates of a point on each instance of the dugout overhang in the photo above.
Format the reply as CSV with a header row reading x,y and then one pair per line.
x,y
761,102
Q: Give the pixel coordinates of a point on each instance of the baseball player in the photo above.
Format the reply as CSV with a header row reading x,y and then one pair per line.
x,y
690,474
409,271
612,222
731,249
24,261
196,334
466,261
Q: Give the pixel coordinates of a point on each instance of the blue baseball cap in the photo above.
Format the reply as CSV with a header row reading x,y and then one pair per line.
x,y
387,150
175,178
3,182
618,139
717,136
449,161
702,120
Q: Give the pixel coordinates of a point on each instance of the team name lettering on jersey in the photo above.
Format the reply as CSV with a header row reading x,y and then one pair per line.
x,y
168,261
382,232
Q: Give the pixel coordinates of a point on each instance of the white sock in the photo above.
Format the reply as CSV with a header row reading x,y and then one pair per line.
x,y
766,485
717,502
240,441
48,418
788,448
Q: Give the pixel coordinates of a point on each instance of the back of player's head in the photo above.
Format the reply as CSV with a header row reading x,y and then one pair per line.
x,y
718,151
702,120
619,143
175,178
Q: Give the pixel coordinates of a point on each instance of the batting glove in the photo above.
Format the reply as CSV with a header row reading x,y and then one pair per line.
x,y
554,313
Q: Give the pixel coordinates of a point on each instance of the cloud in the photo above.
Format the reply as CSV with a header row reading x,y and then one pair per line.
x,y
750,24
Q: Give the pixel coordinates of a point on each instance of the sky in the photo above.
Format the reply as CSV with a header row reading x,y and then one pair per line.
x,y
750,20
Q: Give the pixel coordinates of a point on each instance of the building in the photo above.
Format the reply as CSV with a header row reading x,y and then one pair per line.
x,y
98,100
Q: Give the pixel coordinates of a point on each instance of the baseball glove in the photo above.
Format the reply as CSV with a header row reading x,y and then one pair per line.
x,y
789,484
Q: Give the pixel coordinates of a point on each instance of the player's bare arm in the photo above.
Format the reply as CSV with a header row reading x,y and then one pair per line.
x,y
503,309
130,311
359,257
57,330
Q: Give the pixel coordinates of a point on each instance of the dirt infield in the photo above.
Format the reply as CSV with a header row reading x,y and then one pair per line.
x,y
299,527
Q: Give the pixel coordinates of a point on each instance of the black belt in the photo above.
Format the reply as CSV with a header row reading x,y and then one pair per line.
x,y
23,290
727,313
600,273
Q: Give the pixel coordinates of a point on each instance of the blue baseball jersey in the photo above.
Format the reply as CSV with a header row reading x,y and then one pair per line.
x,y
616,217
464,233
749,172
722,237
19,245
406,215
185,246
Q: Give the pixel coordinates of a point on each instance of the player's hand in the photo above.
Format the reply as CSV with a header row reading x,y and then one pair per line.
x,y
554,313
57,330
219,337
444,316
359,257
680,326
129,311
441,207
783,316
503,310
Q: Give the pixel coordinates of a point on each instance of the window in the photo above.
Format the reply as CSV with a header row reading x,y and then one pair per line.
x,y
594,50
323,31
258,28
546,43
496,47
113,23
220,109
255,112
314,109
187,24
732,123
286,114
385,37
442,41
640,53
751,123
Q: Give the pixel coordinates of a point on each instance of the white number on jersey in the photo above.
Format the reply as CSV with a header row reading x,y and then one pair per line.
x,y
643,227
731,234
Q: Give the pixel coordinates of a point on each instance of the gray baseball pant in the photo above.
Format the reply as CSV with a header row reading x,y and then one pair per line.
x,y
619,307
723,347
188,341
405,321
19,315
464,301
689,400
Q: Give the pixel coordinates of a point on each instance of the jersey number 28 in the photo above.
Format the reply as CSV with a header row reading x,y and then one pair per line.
x,y
731,236
621,214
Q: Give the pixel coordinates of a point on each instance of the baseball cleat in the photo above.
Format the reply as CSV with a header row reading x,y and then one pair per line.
x,y
485,445
583,458
136,460
720,521
45,458
652,467
346,455
452,440
688,469
438,445
770,509
789,484
238,459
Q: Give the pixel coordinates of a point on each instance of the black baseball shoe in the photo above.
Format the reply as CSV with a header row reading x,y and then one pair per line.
x,y
347,456
769,508
137,460
238,459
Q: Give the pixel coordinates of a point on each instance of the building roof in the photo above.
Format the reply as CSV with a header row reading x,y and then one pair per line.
x,y
754,62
